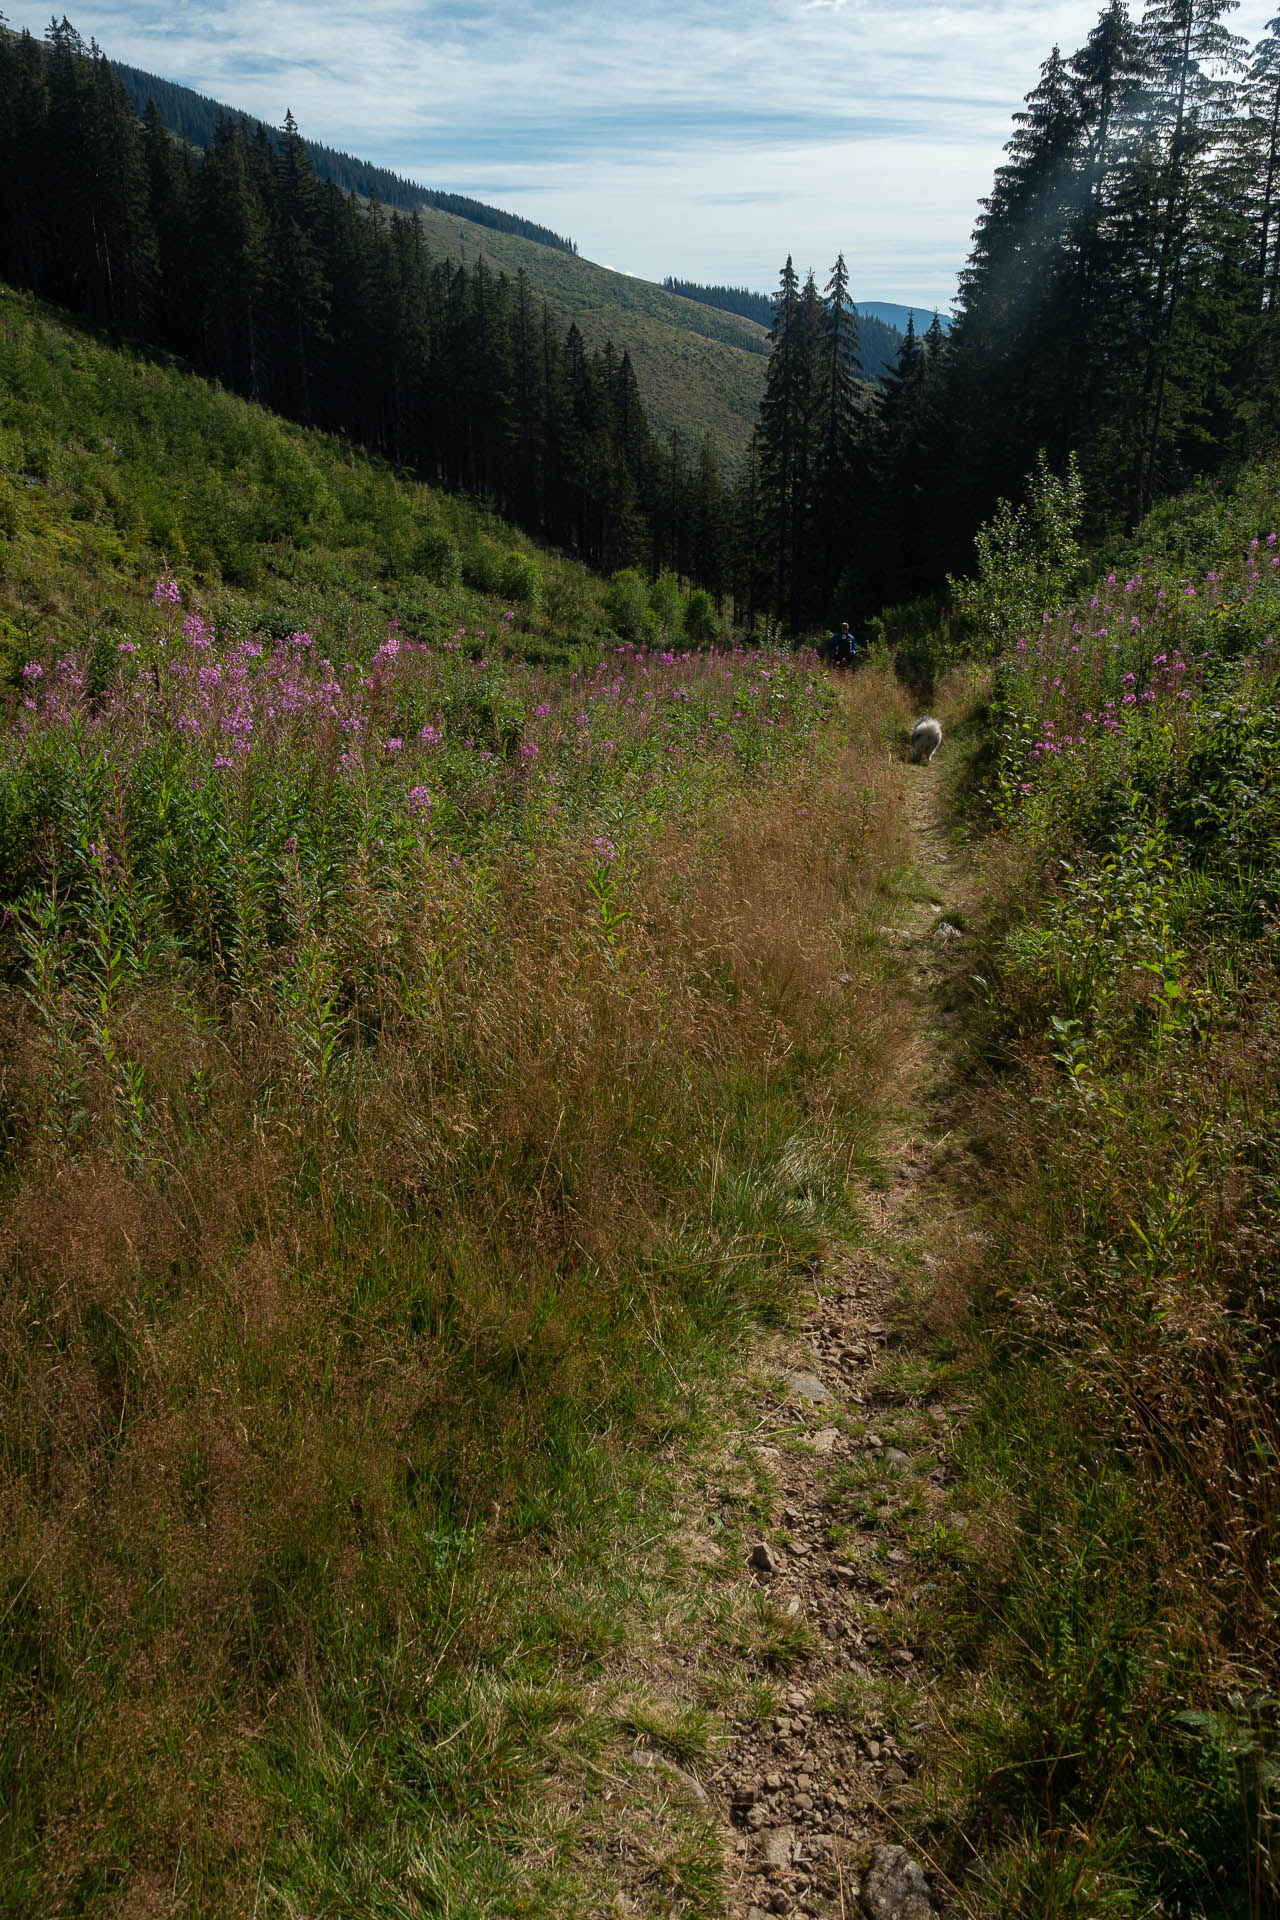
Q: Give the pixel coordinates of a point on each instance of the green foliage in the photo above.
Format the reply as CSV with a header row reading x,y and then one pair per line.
x,y
1130,1423
701,621
521,579
667,603
436,556
111,465
626,606
1027,557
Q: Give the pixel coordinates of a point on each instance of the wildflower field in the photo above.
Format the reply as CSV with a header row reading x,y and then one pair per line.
x,y
419,1070
186,797
1126,1004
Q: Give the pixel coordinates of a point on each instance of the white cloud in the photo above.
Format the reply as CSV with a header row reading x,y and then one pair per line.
x,y
706,139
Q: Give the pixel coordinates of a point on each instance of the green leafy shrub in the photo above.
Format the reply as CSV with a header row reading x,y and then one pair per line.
x,y
666,603
436,555
521,579
482,564
1027,557
626,606
701,621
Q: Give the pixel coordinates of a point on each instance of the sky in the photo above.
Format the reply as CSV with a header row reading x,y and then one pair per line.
x,y
707,139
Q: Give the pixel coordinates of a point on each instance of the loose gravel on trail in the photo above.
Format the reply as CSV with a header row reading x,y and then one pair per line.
x,y
822,1800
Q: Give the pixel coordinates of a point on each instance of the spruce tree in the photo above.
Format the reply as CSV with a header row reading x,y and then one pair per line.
x,y
1259,135
778,433
1185,137
836,481
298,285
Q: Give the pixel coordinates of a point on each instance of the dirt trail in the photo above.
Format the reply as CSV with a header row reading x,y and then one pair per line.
x,y
857,1445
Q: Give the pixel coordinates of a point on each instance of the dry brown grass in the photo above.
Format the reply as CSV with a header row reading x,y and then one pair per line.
x,y
295,1379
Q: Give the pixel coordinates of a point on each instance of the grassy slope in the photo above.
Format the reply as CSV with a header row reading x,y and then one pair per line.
x,y
1113,1617
110,462
693,371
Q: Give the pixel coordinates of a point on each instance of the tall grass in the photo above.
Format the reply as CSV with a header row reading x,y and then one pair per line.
x,y
394,1138
1126,1456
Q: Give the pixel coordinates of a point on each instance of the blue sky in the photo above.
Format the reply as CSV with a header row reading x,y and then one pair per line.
x,y
693,137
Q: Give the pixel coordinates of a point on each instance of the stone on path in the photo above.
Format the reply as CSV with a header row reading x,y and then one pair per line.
x,y
894,1887
825,1441
777,1844
764,1558
809,1387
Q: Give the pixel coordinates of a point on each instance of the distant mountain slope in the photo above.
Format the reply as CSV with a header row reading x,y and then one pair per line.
x,y
894,314
194,116
697,368
879,340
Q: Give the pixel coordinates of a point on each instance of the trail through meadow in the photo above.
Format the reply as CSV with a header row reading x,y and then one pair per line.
x,y
821,1786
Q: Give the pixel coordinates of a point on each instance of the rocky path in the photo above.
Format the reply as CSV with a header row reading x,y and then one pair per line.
x,y
822,1799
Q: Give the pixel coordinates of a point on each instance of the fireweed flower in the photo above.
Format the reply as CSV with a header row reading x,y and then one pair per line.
x,y
419,799
604,847
167,592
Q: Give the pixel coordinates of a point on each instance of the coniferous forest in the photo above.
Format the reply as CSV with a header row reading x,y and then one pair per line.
x,y
1119,302
194,117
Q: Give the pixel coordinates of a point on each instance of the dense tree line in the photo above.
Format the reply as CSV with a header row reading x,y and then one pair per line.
x,y
752,306
1120,299
878,342
194,117
296,295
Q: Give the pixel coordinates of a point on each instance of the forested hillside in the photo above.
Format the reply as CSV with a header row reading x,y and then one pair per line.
x,y
114,467
699,368
194,117
688,358
297,297
1118,303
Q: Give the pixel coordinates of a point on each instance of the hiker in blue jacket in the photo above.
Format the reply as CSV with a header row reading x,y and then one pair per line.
x,y
844,648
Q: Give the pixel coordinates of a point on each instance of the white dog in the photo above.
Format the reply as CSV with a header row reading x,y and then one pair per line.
x,y
926,738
